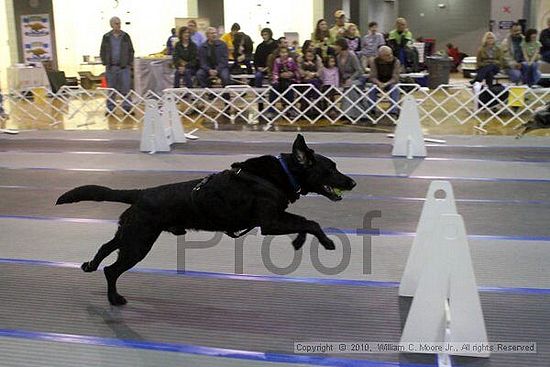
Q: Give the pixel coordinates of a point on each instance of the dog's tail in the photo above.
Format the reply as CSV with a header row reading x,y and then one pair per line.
x,y
98,193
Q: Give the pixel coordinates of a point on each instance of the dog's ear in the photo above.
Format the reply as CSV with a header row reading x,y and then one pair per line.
x,y
300,151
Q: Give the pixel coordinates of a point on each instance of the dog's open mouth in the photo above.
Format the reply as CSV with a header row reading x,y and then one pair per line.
x,y
333,193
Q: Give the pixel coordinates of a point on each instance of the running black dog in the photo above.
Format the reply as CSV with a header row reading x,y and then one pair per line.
x,y
253,193
540,120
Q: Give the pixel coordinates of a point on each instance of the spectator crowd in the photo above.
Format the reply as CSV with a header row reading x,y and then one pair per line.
x,y
335,56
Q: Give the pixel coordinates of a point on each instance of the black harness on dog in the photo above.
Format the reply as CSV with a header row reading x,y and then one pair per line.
x,y
237,172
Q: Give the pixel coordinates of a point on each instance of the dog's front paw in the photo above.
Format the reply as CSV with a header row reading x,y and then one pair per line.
x,y
299,241
88,267
116,299
328,244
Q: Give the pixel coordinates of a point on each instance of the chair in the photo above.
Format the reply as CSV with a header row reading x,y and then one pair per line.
x,y
89,80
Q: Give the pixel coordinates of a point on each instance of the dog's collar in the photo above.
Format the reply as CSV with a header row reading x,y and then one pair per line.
x,y
295,186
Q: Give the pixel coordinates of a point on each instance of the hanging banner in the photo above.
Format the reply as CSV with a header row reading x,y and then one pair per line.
x,y
36,37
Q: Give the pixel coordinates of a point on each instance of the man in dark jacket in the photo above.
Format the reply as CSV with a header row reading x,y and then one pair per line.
x,y
242,53
264,49
213,62
117,54
545,40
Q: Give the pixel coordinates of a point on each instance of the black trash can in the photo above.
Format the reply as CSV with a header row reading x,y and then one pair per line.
x,y
439,68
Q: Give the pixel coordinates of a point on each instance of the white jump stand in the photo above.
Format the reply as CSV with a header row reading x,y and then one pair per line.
x,y
153,136
409,140
440,275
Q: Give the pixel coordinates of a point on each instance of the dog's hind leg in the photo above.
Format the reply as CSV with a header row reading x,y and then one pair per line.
x,y
131,252
299,241
104,251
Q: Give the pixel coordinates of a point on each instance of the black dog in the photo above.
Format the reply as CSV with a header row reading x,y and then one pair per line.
x,y
253,193
540,120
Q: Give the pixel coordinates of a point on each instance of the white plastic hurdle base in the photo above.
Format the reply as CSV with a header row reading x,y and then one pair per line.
x,y
427,140
171,120
153,136
409,140
162,127
433,208
447,276
440,275
9,131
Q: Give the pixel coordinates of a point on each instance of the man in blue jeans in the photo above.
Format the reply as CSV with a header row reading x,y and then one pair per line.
x,y
117,54
384,73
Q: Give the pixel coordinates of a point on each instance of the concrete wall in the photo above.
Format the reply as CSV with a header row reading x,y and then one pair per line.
x,y
384,13
461,22
329,7
281,16
212,9
540,11
506,11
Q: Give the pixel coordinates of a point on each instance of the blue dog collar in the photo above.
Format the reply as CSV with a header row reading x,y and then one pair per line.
x,y
295,186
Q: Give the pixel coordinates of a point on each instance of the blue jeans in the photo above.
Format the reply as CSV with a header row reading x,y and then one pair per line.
x,y
530,73
283,88
259,78
514,75
394,96
352,96
204,77
487,73
187,76
118,79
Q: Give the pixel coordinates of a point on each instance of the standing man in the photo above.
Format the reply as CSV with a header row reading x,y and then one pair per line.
x,y
117,54
197,37
544,38
213,60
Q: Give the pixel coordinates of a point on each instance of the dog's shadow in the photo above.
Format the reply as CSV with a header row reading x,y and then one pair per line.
x,y
113,318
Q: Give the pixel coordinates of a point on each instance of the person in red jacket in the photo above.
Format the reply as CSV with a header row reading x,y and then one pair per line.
x,y
453,53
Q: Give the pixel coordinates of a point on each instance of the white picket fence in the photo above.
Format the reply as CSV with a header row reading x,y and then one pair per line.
x,y
448,104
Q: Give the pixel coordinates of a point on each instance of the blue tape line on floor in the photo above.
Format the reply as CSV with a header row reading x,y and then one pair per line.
x,y
270,278
200,350
334,155
349,231
348,196
146,171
